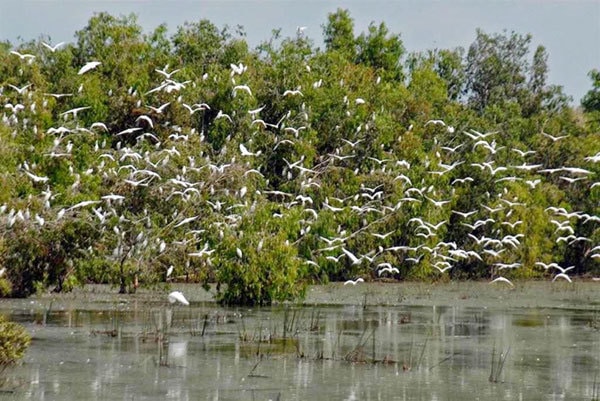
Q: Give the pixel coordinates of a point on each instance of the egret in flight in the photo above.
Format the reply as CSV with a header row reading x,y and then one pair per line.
x,y
177,296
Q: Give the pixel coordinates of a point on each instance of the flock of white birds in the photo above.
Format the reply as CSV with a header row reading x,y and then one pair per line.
x,y
136,164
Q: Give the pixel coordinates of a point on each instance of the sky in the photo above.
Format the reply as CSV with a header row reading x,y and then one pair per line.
x,y
569,29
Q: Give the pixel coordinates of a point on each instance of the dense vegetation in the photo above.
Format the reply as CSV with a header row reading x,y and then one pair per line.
x,y
194,157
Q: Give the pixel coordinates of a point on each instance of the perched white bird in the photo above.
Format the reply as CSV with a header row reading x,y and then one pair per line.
x,y
177,296
238,69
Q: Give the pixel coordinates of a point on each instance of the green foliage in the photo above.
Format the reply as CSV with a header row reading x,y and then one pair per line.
x,y
5,287
14,341
449,66
381,51
339,33
591,100
496,68
258,264
498,72
316,165
45,256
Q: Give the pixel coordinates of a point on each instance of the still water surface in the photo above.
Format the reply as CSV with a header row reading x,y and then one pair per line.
x,y
154,351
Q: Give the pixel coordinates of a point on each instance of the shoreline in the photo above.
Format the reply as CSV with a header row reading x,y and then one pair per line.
x,y
525,294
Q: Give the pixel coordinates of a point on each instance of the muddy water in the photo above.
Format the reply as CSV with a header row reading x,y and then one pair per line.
x,y
386,342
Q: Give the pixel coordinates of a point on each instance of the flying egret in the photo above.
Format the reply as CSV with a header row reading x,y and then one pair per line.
x,y
562,275
245,151
351,256
388,269
177,296
554,138
294,92
23,56
159,109
502,280
245,88
52,48
254,112
88,67
20,90
36,178
164,72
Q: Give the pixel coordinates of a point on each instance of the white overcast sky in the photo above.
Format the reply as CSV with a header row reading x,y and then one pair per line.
x,y
569,29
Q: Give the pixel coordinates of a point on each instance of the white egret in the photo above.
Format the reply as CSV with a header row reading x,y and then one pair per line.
x,y
52,48
20,90
502,280
177,296
563,276
88,67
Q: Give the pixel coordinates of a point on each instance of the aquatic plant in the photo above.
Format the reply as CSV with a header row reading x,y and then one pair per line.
x,y
358,353
497,365
410,362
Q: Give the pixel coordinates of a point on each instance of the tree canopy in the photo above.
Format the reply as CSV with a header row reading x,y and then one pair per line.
x,y
137,158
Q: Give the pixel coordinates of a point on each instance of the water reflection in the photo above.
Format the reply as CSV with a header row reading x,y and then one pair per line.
x,y
351,353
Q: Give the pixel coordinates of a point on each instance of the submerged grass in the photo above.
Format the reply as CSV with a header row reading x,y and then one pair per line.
x,y
497,365
410,363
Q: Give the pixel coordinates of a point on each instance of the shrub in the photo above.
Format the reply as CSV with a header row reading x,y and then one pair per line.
x,y
259,267
14,341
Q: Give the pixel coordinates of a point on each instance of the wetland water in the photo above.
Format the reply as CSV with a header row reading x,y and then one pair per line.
x,y
465,341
